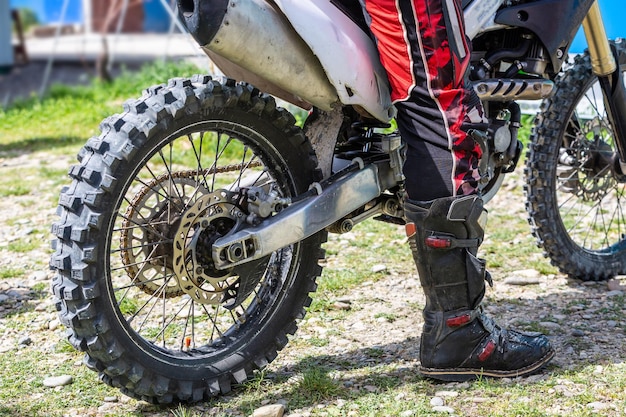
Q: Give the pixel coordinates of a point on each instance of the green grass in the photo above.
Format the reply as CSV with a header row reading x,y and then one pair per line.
x,y
68,116
316,384
23,245
11,272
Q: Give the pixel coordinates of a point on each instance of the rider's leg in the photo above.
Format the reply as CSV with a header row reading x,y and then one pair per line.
x,y
423,47
458,341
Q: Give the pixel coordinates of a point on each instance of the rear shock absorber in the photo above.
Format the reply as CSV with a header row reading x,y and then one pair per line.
x,y
363,139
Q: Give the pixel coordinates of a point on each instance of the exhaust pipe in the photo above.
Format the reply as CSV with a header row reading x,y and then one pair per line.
x,y
202,18
252,41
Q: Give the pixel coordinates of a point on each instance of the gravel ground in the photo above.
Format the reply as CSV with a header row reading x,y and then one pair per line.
x,y
382,314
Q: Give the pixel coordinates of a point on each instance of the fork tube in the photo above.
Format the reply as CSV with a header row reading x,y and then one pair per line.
x,y
602,60
604,65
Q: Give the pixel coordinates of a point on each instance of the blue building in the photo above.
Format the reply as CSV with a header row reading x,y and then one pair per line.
x,y
49,11
153,16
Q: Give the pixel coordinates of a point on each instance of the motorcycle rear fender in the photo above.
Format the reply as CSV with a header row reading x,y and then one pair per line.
x,y
302,51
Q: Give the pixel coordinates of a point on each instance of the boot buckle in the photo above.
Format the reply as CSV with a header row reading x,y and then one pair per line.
x,y
438,242
487,351
449,242
466,316
459,321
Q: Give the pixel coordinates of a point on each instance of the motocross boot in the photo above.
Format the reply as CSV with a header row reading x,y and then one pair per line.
x,y
459,342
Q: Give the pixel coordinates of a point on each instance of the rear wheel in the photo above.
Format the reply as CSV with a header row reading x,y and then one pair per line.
x,y
136,283
575,202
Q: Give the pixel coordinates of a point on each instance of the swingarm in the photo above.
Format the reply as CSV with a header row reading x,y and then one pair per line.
x,y
329,201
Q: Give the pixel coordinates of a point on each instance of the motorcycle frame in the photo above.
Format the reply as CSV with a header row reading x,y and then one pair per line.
x,y
337,81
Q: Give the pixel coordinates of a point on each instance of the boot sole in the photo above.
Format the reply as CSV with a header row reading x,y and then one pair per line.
x,y
468,374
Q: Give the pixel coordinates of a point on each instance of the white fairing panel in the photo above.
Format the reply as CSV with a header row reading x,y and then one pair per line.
x,y
480,14
348,55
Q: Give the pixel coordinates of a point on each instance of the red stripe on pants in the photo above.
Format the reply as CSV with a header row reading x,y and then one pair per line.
x,y
394,49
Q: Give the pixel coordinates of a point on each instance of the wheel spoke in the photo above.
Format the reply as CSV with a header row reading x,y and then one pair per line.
x,y
155,219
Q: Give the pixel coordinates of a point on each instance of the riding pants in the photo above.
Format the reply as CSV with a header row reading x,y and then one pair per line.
x,y
423,47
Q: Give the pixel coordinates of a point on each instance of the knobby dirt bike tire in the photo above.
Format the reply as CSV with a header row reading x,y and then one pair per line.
x,y
562,179
88,301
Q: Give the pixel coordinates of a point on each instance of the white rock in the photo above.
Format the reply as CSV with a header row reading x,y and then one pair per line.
x,y
338,305
550,325
57,381
41,307
443,409
38,276
271,410
436,401
359,325
449,394
527,273
25,341
513,280
597,405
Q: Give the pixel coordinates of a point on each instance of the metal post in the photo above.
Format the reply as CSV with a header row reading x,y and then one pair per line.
x,y
87,16
6,47
118,30
46,75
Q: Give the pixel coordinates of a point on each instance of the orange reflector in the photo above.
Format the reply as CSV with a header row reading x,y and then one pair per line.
x,y
410,229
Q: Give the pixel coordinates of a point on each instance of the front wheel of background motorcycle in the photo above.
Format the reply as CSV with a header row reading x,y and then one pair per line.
x,y
576,206
123,238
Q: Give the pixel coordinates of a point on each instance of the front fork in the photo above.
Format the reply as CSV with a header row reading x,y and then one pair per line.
x,y
604,62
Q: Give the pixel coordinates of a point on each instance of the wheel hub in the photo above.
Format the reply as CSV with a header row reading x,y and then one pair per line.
x,y
211,217
150,222
586,168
